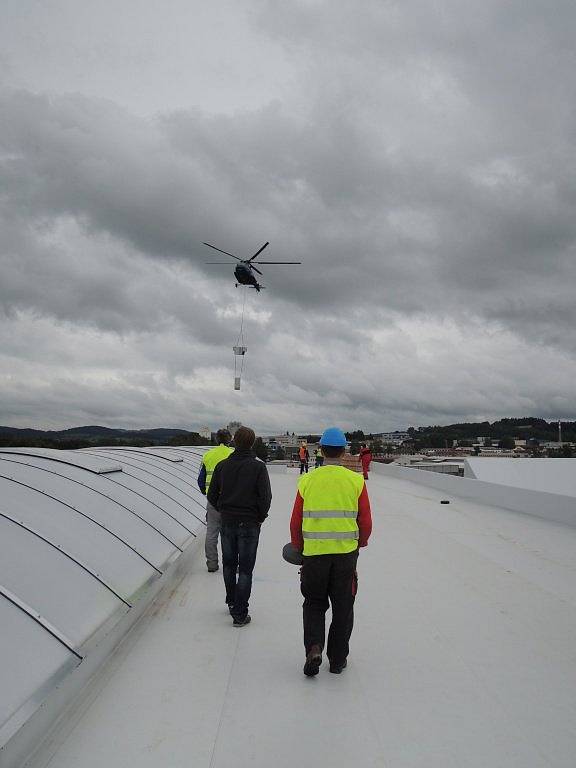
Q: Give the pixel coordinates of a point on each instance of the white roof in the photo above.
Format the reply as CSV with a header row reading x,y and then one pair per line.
x,y
82,536
549,475
74,458
462,654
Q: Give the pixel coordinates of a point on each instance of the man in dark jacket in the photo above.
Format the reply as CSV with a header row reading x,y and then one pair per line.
x,y
240,491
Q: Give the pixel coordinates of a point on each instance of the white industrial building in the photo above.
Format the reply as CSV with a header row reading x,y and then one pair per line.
x,y
393,438
117,649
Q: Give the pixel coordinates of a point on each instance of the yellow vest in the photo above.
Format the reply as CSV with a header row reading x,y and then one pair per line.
x,y
212,457
330,511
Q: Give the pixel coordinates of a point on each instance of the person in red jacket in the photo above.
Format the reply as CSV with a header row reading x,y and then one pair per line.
x,y
365,458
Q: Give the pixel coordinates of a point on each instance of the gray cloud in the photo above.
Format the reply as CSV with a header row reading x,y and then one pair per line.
x,y
420,164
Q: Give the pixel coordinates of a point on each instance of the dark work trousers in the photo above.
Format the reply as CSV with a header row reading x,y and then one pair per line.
x,y
324,579
239,546
303,466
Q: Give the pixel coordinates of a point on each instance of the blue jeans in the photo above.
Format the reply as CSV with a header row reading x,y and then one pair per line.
x,y
239,546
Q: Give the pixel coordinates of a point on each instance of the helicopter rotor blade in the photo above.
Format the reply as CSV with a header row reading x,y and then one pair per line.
x,y
256,270
277,262
257,252
225,263
221,251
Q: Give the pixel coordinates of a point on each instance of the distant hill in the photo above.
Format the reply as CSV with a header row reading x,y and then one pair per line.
x,y
528,428
15,430
92,430
163,432
82,437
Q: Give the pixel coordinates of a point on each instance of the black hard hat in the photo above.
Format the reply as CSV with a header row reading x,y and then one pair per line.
x,y
291,554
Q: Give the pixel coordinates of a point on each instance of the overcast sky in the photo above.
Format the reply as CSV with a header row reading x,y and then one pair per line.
x,y
418,157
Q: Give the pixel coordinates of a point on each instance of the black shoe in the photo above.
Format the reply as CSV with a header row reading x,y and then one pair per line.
x,y
242,622
313,661
336,669
231,609
213,568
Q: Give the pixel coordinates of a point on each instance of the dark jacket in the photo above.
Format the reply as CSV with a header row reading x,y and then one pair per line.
x,y
240,488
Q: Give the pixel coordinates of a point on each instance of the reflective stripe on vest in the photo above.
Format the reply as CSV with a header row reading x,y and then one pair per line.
x,y
331,534
330,510
319,513
213,457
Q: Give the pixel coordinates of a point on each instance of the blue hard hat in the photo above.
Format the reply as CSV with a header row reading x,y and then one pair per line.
x,y
333,437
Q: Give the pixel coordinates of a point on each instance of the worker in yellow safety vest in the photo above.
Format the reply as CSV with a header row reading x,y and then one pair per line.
x,y
213,522
331,518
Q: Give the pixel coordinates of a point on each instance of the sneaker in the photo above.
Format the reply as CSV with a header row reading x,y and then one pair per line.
x,y
336,669
313,661
242,622
213,568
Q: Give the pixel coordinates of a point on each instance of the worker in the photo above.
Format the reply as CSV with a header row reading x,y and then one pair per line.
x,y
213,523
365,458
304,457
319,459
240,491
331,518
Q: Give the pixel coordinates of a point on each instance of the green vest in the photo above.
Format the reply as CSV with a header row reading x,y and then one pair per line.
x,y
212,457
330,511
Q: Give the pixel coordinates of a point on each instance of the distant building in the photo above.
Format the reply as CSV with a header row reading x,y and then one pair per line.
x,y
205,432
394,438
284,441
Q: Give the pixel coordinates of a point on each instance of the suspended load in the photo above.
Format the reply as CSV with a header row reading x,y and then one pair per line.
x,y
239,350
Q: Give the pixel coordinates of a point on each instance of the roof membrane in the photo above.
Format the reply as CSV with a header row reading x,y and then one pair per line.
x,y
462,653
549,475
74,458
83,537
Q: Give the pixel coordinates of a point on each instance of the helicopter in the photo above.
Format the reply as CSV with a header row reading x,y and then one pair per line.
x,y
244,271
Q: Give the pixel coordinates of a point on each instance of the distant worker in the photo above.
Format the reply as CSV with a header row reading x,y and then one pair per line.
x,y
331,518
240,491
365,458
304,458
319,459
209,461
